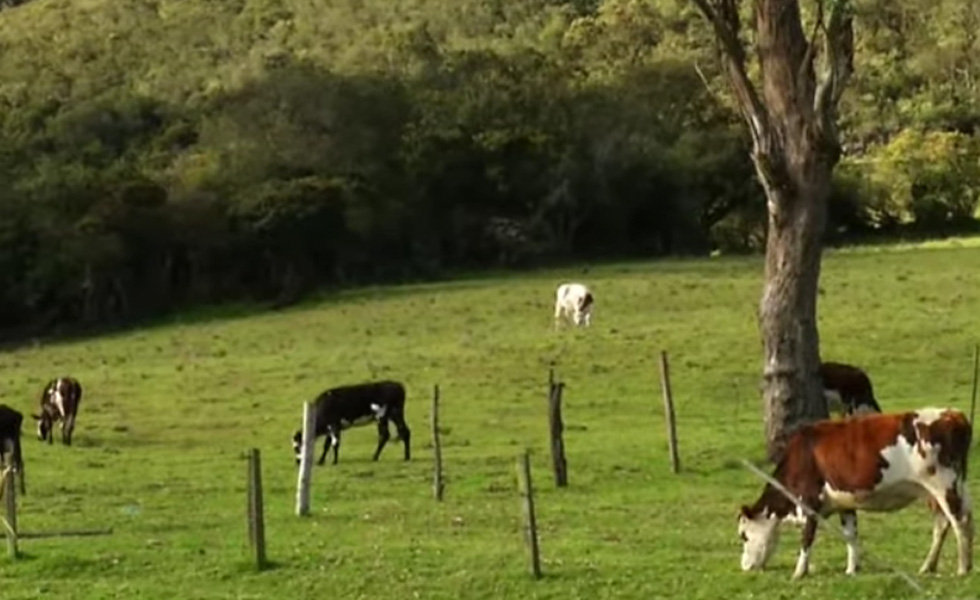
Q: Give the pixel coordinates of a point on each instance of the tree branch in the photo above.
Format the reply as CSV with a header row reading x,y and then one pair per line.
x,y
726,25
839,47
806,65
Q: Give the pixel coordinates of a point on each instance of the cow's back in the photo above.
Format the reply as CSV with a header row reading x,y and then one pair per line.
x,y
363,394
879,449
11,420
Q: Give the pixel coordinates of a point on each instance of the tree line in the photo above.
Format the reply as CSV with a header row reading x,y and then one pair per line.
x,y
155,155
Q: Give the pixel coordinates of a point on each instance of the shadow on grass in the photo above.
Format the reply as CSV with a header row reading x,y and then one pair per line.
x,y
248,566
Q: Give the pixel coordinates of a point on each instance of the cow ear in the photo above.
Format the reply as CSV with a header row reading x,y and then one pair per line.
x,y
746,512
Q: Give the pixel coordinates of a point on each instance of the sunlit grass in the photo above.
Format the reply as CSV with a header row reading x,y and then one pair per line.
x,y
170,409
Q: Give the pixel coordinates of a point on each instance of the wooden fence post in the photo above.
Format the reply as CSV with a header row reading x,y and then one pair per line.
x,y
10,511
527,505
437,482
973,395
556,428
256,523
669,412
306,459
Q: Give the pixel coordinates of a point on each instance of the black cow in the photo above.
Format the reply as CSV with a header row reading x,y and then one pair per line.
x,y
59,402
847,389
10,423
348,406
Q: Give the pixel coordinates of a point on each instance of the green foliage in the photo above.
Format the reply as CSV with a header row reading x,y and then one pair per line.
x,y
156,152
925,178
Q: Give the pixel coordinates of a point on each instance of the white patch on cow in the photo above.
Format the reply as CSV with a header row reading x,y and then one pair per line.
x,y
760,536
57,398
797,517
864,409
834,401
899,484
926,416
379,410
802,563
851,539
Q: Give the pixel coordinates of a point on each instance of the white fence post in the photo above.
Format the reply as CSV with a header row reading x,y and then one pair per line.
x,y
306,460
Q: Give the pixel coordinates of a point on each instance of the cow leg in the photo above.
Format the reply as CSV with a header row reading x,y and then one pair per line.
x,y
849,522
955,505
327,443
383,436
66,428
803,562
404,434
335,442
940,526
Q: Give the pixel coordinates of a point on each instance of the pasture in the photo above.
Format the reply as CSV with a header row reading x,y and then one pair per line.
x,y
170,409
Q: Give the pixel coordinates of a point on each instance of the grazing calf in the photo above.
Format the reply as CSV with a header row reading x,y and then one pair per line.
x,y
59,402
10,423
574,301
879,463
343,407
847,389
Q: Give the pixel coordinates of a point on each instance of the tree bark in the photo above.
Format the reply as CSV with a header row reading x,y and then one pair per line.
x,y
795,150
792,390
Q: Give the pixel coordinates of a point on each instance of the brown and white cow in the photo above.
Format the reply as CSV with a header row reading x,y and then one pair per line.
x,y
847,389
877,462
59,403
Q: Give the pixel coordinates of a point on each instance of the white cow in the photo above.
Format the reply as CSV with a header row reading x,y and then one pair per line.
x,y
575,301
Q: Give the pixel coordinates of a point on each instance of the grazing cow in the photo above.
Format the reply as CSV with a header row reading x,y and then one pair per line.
x,y
10,423
59,402
879,463
574,301
348,406
847,389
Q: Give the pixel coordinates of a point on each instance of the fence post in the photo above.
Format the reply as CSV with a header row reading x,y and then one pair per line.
x,y
973,395
527,505
306,460
437,483
669,412
256,523
556,428
10,510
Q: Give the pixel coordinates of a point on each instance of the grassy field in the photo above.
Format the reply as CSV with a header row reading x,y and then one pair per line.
x,y
170,409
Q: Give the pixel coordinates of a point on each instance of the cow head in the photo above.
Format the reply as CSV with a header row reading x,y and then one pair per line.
x,y
44,425
298,444
759,532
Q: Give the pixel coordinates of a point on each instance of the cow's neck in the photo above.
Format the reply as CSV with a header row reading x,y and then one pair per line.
x,y
773,502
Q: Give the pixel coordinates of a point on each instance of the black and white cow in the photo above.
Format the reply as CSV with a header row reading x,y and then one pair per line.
x,y
348,406
10,423
848,389
59,403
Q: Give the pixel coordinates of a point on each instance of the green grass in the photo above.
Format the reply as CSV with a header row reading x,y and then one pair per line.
x,y
170,409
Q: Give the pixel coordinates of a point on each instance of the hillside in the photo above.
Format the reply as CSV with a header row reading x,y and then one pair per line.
x,y
158,154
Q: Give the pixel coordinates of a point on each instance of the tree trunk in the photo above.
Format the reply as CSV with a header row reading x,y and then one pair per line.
x,y
792,390
791,114
795,157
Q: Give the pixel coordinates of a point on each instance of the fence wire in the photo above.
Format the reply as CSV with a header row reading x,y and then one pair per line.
x,y
840,530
